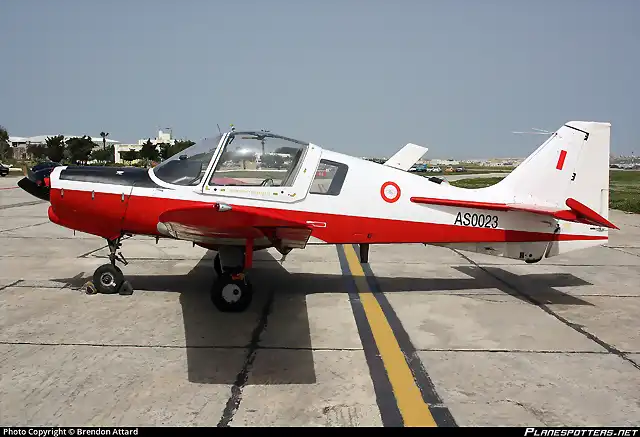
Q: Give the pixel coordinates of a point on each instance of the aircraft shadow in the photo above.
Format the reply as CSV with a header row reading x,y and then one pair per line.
x,y
537,288
270,343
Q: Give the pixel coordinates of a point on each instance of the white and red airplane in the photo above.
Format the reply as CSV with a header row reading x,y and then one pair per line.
x,y
244,191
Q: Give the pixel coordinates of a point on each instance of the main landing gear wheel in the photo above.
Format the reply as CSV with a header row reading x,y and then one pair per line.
x,y
108,279
231,292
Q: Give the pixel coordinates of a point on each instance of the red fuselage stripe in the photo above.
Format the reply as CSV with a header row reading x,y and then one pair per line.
x,y
107,215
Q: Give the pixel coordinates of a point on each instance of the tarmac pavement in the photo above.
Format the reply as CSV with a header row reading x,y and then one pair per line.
x,y
489,341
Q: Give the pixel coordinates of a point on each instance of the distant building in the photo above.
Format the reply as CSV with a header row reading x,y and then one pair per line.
x,y
20,145
41,140
443,162
162,138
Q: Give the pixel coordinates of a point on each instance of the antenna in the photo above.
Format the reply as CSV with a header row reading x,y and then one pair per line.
x,y
537,132
533,133
219,131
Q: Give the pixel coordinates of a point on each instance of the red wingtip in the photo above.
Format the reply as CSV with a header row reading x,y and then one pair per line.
x,y
589,214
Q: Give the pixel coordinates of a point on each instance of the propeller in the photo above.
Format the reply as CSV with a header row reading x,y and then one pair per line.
x,y
36,180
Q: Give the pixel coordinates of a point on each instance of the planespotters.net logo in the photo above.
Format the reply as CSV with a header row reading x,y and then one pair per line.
x,y
581,432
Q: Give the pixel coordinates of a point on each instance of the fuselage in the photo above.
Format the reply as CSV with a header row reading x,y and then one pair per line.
x,y
109,201
245,191
342,199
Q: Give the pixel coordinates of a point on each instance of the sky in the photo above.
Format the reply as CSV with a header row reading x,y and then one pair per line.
x,y
363,77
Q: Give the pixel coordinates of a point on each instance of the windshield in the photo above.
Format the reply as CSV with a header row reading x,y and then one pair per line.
x,y
259,159
188,166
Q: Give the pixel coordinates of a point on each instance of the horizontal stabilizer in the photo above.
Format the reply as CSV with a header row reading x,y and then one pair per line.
x,y
576,212
406,157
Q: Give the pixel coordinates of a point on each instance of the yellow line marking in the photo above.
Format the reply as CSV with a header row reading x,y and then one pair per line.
x,y
414,411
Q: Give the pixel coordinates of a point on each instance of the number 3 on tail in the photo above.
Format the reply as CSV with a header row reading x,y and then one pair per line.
x,y
573,177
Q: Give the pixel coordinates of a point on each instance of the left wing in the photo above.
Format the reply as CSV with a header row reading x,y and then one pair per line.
x,y
218,222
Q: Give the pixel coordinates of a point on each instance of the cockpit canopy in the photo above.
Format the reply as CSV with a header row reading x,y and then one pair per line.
x,y
188,166
252,158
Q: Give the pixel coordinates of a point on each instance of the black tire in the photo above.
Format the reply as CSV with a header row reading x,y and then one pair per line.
x,y
217,266
107,279
231,295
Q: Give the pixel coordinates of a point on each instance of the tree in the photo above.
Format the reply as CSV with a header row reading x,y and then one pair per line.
x,y
165,151
130,155
104,136
38,151
80,149
287,150
55,148
149,151
5,147
180,145
104,155
168,150
272,161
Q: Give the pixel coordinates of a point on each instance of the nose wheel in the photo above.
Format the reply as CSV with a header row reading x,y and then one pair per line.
x,y
107,279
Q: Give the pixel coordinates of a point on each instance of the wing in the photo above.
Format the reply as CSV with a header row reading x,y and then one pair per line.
x,y
576,212
406,157
225,224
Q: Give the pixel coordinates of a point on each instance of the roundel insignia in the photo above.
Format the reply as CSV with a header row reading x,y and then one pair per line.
x,y
390,192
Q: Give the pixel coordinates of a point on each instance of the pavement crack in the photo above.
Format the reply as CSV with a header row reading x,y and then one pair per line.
x,y
233,403
516,351
24,227
84,255
538,414
170,346
618,249
13,284
575,326
18,205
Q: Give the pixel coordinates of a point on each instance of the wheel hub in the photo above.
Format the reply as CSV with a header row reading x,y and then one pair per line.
x,y
107,279
231,293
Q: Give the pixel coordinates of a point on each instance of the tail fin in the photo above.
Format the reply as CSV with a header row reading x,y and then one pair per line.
x,y
573,163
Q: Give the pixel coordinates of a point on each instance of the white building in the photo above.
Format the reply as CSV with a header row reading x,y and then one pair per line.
x,y
445,162
162,138
20,145
41,140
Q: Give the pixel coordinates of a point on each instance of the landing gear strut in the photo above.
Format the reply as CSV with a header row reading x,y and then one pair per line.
x,y
231,290
108,278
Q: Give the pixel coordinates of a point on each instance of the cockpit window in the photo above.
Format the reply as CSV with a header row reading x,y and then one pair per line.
x,y
259,159
329,178
188,166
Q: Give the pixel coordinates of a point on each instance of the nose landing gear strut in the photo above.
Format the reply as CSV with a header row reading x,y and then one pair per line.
x,y
108,278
